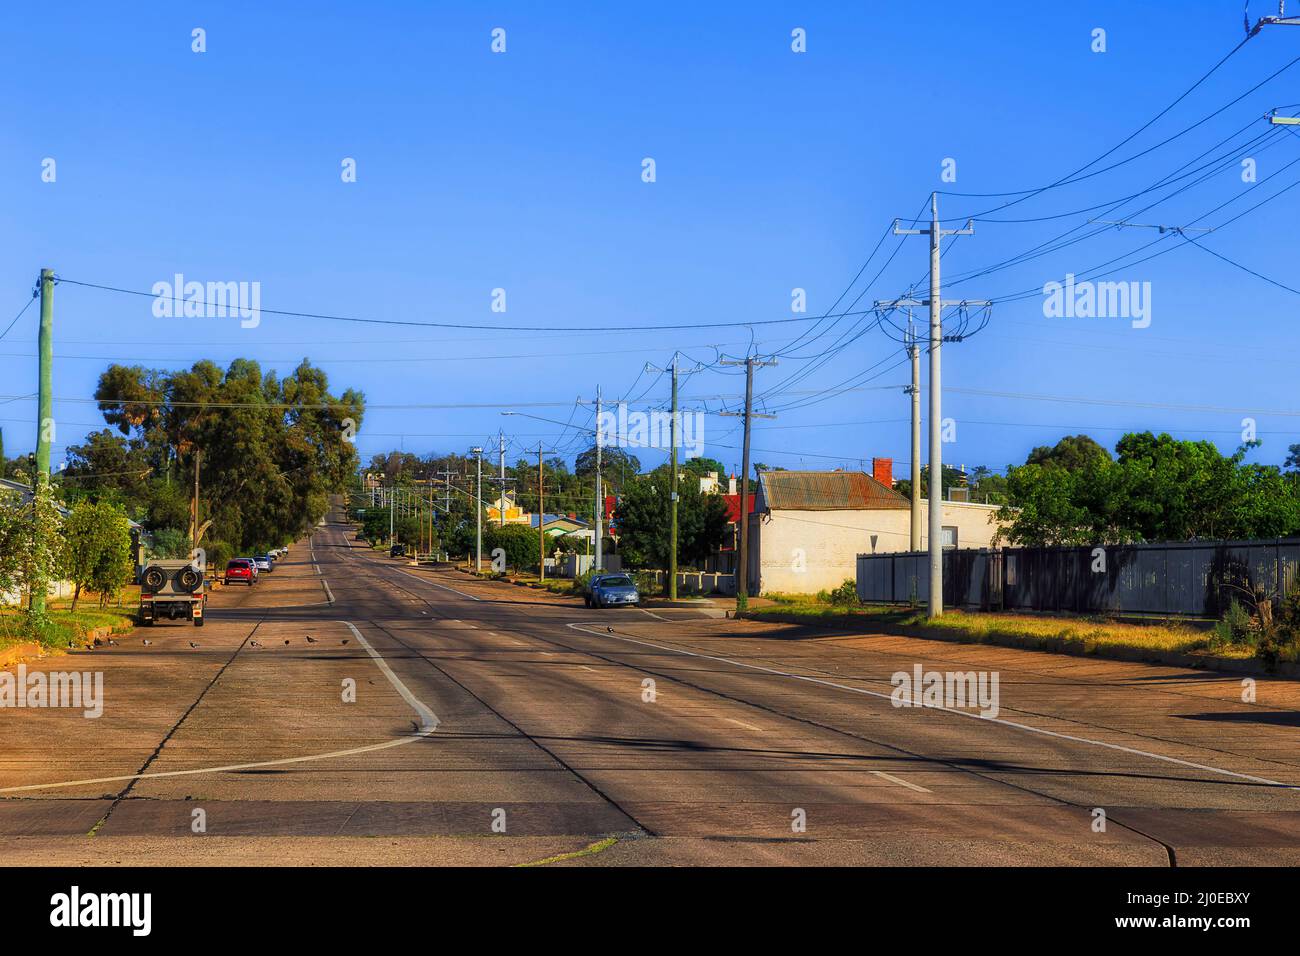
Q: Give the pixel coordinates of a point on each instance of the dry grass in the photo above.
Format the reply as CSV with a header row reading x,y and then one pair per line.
x,y
1089,635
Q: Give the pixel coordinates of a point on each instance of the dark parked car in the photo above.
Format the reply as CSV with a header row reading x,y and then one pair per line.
x,y
240,569
397,551
613,590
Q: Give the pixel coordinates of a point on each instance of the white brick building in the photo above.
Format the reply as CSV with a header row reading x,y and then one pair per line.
x,y
808,527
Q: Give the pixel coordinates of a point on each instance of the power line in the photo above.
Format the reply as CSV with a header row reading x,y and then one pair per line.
x,y
20,314
466,325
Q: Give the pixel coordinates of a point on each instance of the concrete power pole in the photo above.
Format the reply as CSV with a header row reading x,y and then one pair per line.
x,y
44,412
501,513
914,351
742,571
478,512
541,519
936,303
598,563
672,496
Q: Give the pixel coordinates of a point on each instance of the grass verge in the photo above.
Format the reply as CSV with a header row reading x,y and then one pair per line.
x,y
1167,642
66,628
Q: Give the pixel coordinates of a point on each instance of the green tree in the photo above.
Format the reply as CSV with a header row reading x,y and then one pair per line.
x,y
644,522
96,549
617,466
1073,453
518,542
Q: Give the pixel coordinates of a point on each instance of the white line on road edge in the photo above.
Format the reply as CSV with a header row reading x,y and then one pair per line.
x,y
328,593
428,724
435,584
901,782
950,710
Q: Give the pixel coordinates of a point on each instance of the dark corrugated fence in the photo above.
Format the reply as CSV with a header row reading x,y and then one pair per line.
x,y
1178,578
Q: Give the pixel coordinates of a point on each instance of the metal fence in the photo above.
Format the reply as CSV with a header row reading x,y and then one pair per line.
x,y
1192,579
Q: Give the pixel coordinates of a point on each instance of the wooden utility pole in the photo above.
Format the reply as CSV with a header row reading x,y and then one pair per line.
x,y
194,506
742,548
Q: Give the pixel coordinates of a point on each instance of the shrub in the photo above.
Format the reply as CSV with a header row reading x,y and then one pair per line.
x,y
1236,627
845,594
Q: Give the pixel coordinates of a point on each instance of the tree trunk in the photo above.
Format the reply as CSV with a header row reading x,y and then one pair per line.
x,y
76,593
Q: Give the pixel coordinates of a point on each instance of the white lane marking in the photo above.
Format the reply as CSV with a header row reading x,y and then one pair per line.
x,y
586,668
428,724
428,720
230,767
435,584
741,723
950,710
900,781
316,567
328,593
654,615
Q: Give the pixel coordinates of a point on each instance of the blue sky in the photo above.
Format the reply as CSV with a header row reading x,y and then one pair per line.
x,y
775,170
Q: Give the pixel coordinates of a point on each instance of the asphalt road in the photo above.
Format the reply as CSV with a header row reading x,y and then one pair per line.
x,y
494,725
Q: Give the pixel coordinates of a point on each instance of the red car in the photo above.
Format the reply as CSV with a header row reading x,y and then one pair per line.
x,y
241,569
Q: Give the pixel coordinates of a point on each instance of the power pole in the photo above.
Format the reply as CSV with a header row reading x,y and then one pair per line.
x,y
914,350
672,547
598,563
1280,20
936,303
44,417
742,572
194,528
502,504
673,496
541,519
478,512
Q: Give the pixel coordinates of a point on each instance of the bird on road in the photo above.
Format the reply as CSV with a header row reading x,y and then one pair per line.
x,y
112,642
254,644
310,639
146,642
345,640
192,644
610,629
286,640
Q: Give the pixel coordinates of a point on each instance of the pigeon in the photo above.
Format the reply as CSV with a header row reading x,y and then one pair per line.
x,y
146,642
310,639
192,644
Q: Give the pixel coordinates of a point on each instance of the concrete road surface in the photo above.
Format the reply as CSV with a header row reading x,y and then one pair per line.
x,y
352,710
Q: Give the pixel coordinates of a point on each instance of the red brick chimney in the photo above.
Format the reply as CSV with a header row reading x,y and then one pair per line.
x,y
882,469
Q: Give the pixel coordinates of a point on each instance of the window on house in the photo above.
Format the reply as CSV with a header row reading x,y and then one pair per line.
x,y
948,539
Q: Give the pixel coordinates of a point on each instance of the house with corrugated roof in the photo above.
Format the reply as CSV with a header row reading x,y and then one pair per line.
x,y
808,527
